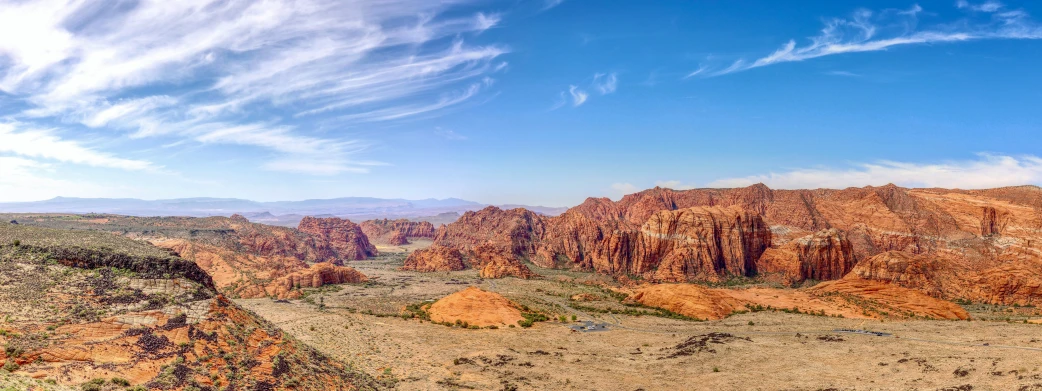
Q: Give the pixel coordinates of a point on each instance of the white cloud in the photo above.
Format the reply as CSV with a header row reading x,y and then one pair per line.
x,y
867,31
484,22
987,171
548,4
182,68
578,96
675,185
38,143
701,69
843,73
605,83
987,6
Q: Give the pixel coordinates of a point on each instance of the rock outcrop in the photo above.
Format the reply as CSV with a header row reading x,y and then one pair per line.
x,y
396,232
690,300
476,308
435,259
513,231
1008,280
704,243
157,329
243,258
850,298
495,262
823,255
985,239
891,300
316,276
345,239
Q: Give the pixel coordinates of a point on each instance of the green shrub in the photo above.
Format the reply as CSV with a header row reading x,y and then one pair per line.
x,y
119,381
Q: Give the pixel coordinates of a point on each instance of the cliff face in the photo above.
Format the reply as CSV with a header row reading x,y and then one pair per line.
x,y
494,262
514,231
345,240
789,235
315,276
396,232
435,259
823,255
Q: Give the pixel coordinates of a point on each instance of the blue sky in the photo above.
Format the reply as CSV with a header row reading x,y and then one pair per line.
x,y
533,102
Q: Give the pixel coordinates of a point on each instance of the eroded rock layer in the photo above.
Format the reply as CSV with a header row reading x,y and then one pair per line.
x,y
396,232
435,259
979,245
243,258
132,311
850,298
345,239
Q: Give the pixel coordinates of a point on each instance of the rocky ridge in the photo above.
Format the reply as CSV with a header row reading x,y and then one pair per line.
x,y
396,232
977,245
91,305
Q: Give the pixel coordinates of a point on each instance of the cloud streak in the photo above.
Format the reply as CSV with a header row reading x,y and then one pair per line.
x,y
37,143
182,69
578,96
605,83
987,171
869,31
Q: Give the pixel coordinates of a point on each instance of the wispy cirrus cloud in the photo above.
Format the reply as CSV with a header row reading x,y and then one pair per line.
x,y
987,6
603,83
578,96
987,171
548,4
868,31
16,139
263,69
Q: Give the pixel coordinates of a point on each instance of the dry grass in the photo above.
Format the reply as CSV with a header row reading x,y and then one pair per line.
x,y
765,350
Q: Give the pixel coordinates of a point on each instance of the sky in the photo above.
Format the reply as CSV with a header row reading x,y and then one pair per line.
x,y
537,102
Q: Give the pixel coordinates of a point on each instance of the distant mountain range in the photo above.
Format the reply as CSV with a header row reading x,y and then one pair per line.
x,y
277,212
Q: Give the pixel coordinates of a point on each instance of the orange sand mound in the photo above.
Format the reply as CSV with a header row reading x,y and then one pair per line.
x,y
475,307
689,300
849,298
893,299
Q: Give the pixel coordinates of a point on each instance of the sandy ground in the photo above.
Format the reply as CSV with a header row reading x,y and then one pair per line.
x,y
768,350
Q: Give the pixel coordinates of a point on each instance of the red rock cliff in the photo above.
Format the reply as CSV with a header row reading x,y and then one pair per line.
x,y
396,232
435,259
345,239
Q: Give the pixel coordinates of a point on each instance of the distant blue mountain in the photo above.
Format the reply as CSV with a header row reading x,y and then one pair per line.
x,y
204,206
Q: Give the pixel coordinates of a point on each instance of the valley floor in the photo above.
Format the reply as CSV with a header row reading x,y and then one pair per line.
x,y
751,351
